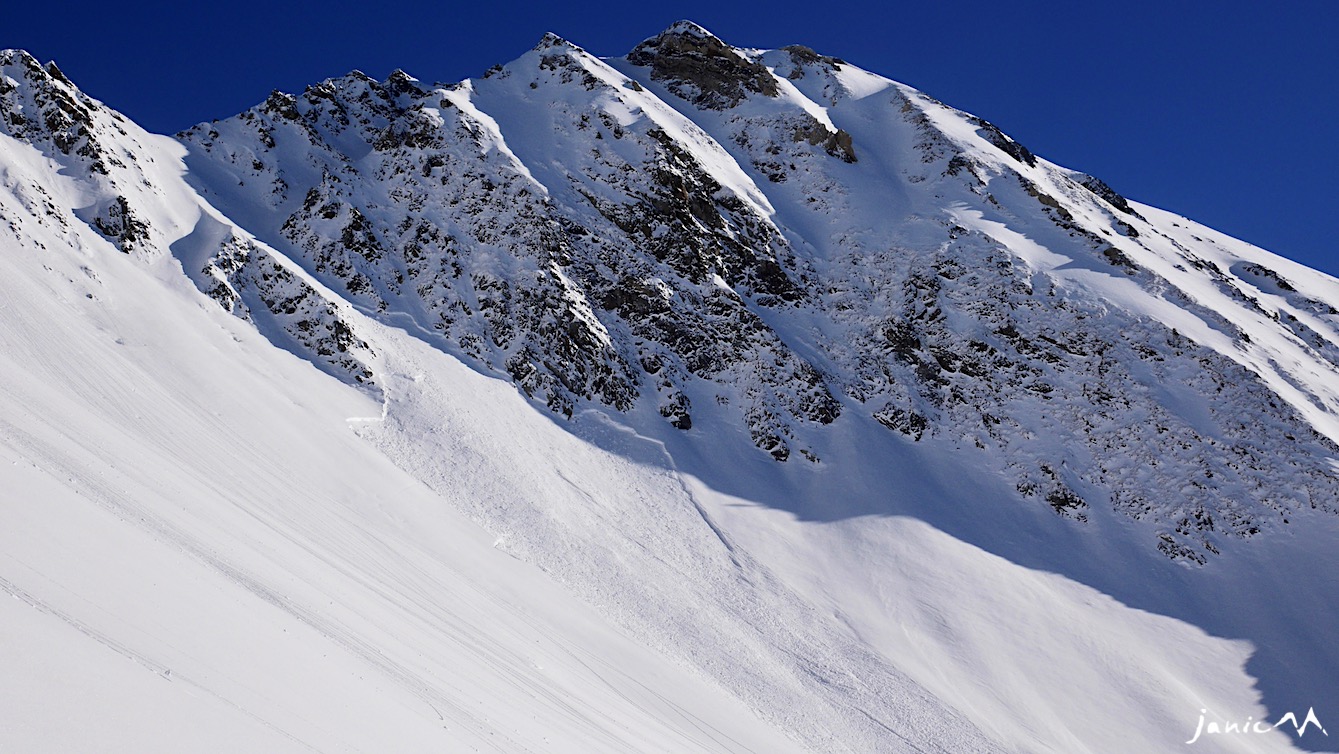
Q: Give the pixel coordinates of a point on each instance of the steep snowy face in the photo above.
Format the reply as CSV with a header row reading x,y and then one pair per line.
x,y
98,149
783,238
551,221
83,171
972,294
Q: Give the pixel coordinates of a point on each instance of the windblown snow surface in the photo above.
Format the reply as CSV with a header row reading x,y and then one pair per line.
x,y
259,493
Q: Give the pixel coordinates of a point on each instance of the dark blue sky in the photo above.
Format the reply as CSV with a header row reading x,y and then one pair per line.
x,y
1225,112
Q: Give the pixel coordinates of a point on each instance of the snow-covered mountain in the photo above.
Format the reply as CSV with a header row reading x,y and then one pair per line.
x,y
706,398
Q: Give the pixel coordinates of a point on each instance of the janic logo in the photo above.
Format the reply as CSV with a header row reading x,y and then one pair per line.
x,y
1258,726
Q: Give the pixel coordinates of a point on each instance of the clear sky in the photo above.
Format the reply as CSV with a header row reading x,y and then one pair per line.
x,y
1224,111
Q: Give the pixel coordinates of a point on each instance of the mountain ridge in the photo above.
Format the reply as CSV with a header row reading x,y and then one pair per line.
x,y
736,159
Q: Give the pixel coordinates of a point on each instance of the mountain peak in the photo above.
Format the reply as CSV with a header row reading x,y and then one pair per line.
x,y
23,65
399,83
39,105
14,55
686,28
697,66
551,40
56,73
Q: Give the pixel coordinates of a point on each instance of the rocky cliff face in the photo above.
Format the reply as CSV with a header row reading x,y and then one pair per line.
x,y
786,239
777,239
627,270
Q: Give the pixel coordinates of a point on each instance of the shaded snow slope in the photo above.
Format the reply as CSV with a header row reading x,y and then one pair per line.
x,y
706,399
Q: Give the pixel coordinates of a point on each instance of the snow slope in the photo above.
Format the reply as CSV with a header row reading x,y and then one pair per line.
x,y
844,423
204,556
